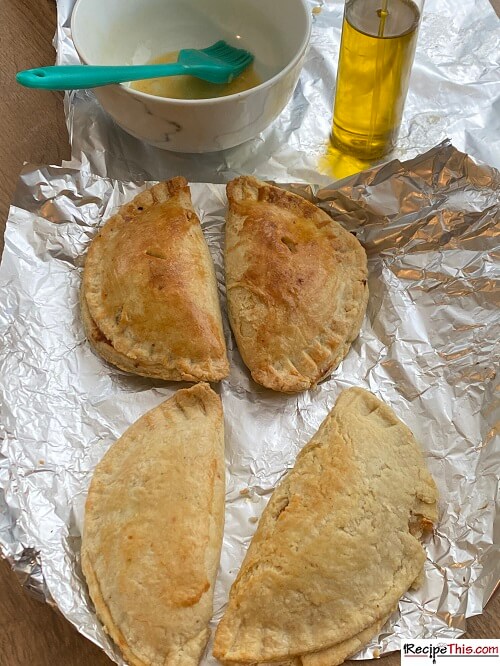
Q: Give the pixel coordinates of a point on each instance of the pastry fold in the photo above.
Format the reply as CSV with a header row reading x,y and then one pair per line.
x,y
296,285
153,529
337,545
149,294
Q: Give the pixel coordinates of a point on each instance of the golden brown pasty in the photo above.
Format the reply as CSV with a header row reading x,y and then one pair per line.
x,y
337,545
149,296
296,285
153,530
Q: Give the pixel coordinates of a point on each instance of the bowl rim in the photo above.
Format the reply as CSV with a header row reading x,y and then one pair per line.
x,y
210,100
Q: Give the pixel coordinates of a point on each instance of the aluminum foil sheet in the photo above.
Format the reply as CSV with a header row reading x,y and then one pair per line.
x,y
428,347
454,93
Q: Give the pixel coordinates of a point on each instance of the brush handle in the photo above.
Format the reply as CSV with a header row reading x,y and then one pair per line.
x,y
74,77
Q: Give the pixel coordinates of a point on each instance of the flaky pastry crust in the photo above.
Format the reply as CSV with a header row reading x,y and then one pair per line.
x,y
153,529
149,294
337,545
296,285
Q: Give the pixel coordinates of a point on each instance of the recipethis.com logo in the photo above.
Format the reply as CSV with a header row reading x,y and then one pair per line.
x,y
467,652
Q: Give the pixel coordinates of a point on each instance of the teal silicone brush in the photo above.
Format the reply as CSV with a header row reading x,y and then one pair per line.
x,y
219,63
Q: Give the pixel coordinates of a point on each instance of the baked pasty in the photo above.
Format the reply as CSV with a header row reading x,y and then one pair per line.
x,y
296,285
337,545
149,296
153,530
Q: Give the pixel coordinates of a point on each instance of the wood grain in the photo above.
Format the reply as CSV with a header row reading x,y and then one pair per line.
x,y
32,121
34,634
33,130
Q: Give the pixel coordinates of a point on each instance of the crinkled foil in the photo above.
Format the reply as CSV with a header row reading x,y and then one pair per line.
x,y
454,93
428,347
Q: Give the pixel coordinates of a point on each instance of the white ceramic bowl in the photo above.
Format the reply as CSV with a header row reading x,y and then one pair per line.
x,y
109,32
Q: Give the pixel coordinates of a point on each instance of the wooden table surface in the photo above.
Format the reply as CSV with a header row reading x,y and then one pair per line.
x,y
33,130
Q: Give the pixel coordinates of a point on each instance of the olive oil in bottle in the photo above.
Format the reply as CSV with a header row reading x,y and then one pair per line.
x,y
376,55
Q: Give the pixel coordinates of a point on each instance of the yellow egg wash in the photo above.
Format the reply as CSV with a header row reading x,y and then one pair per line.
x,y
376,55
189,87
